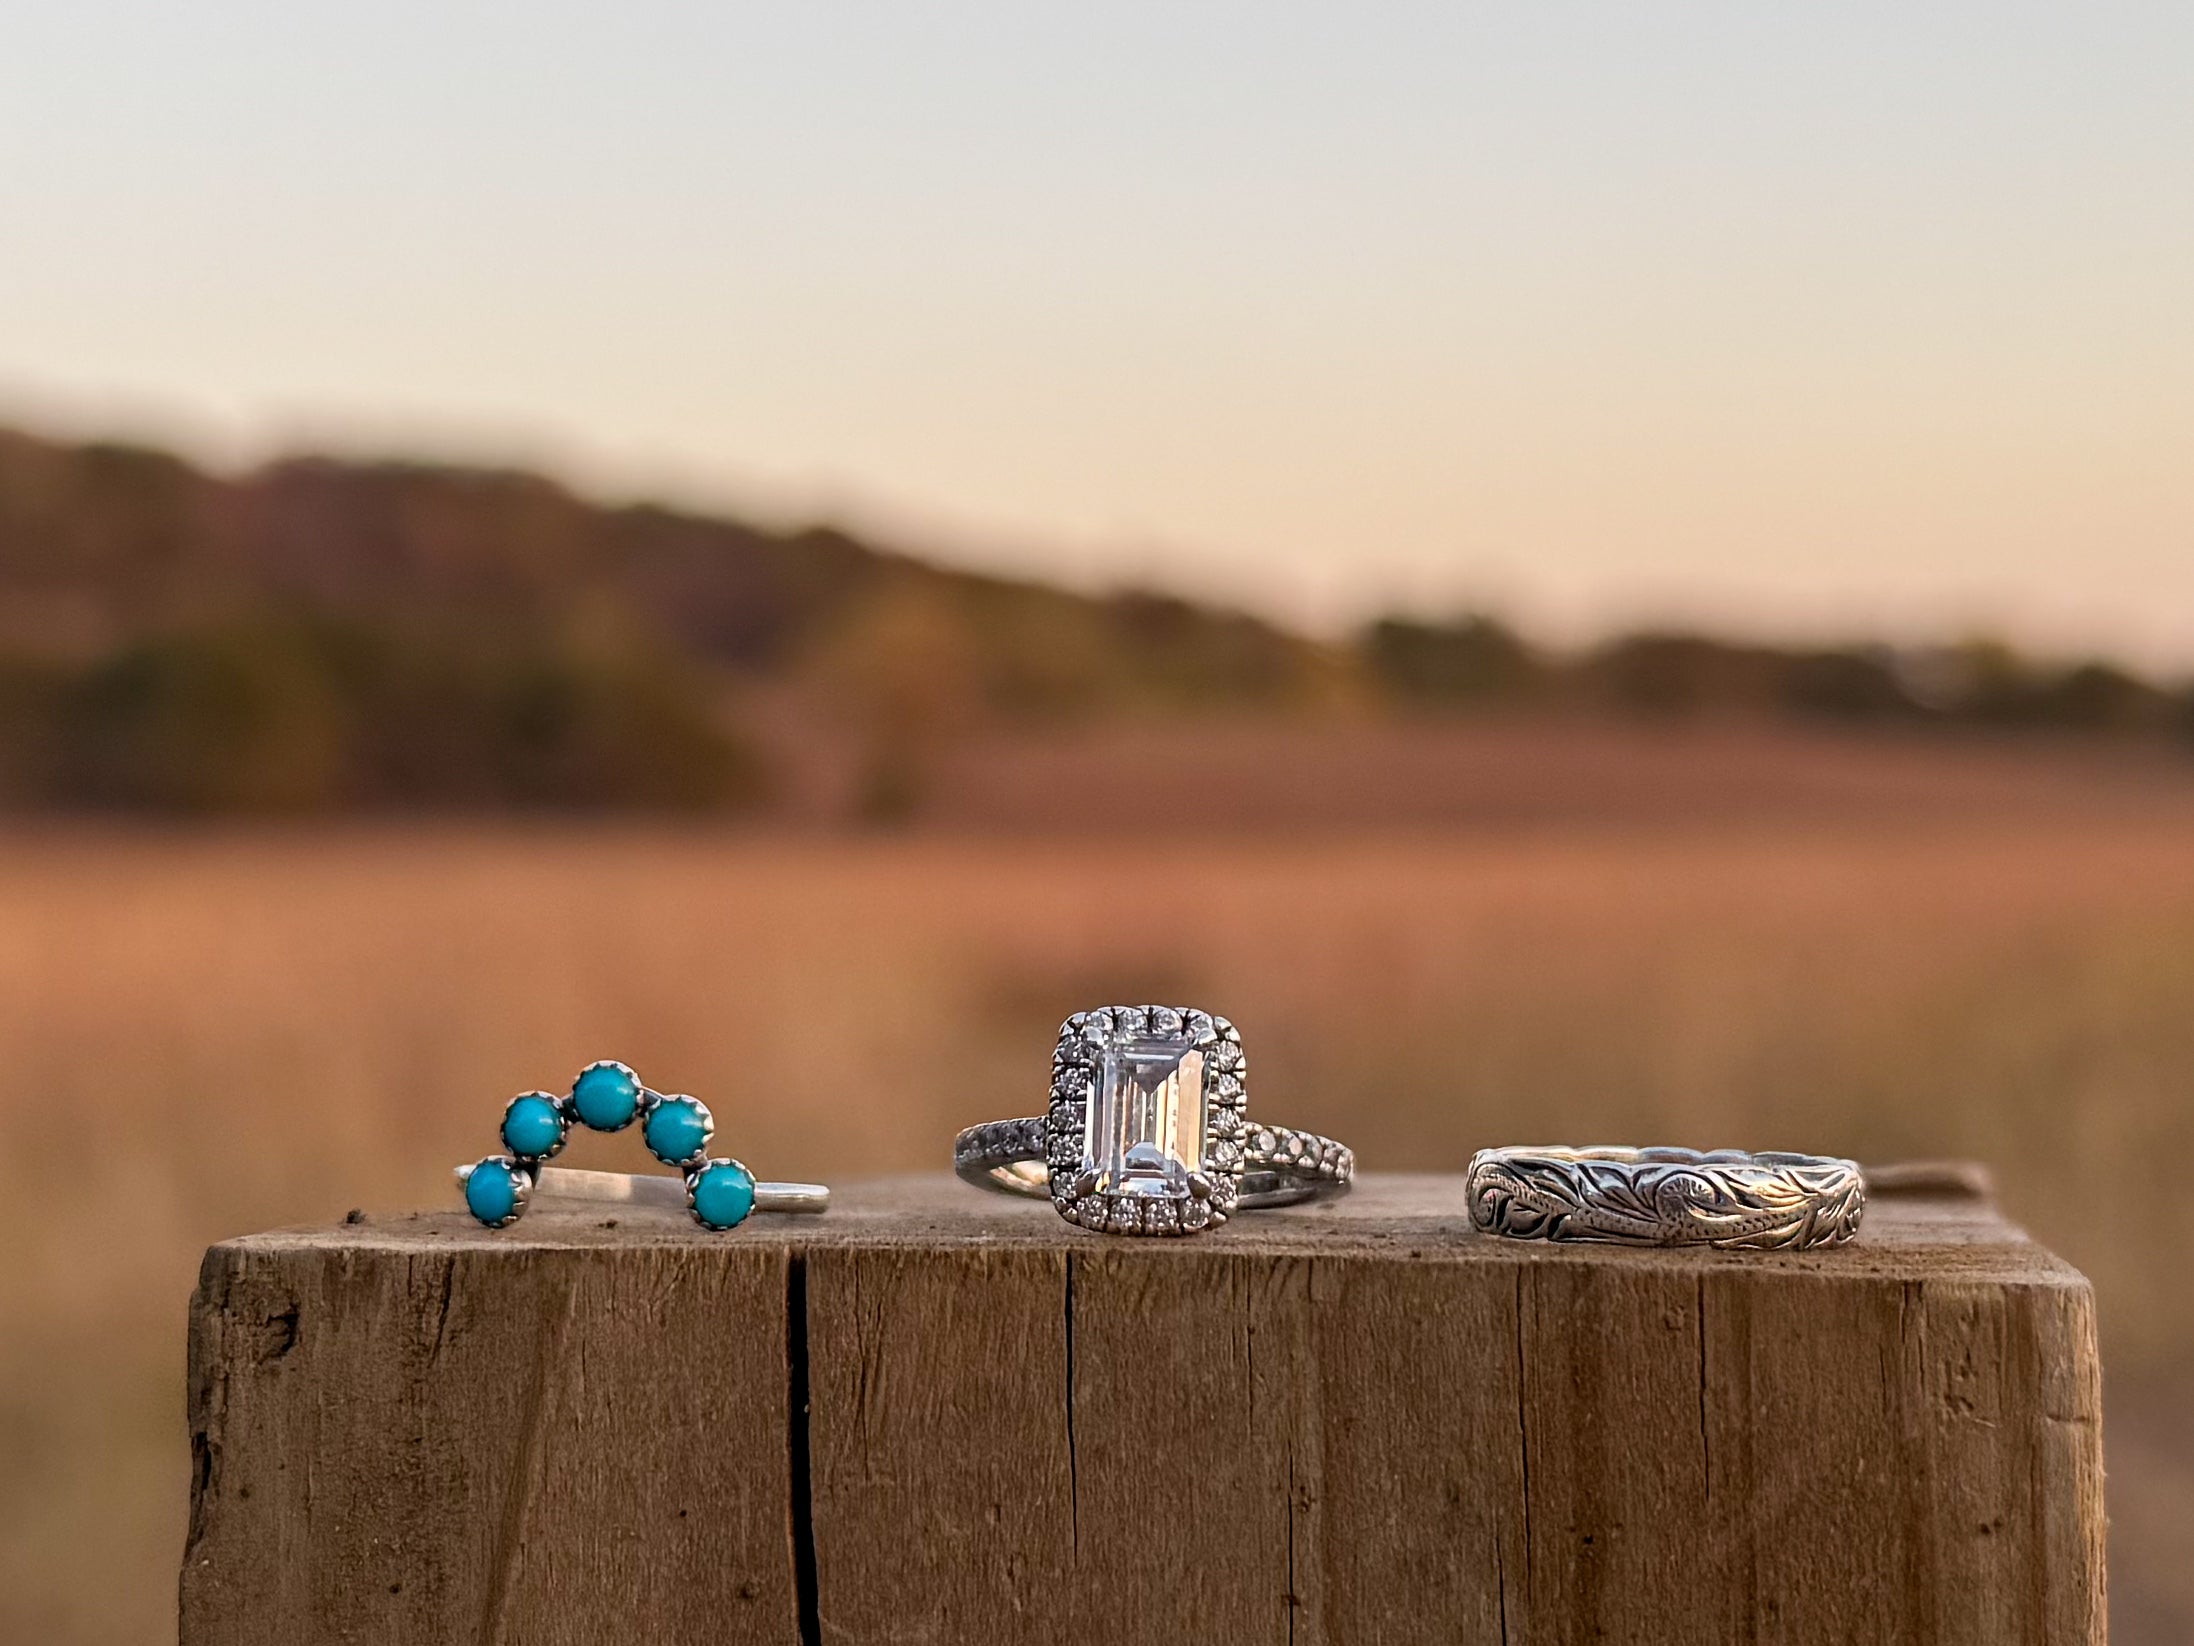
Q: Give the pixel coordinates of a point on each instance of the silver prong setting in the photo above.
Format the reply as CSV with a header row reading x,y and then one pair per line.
x,y
1212,1180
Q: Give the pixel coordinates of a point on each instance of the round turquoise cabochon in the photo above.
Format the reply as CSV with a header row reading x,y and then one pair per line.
x,y
532,1127
607,1096
491,1192
677,1129
723,1194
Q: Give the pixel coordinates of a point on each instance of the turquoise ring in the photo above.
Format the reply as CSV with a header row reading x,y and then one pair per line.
x,y
719,1196
717,1192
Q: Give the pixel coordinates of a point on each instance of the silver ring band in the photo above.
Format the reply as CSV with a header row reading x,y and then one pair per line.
x,y
655,1189
1280,1166
1667,1197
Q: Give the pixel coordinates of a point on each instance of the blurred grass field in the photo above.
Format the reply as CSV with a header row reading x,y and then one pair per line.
x,y
214,1033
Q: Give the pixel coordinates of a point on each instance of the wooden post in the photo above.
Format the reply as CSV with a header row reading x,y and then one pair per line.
x,y
935,1415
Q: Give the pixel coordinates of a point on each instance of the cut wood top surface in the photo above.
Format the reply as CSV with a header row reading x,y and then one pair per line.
x,y
1414,1218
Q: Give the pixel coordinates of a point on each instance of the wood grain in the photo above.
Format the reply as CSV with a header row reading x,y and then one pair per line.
x,y
939,1416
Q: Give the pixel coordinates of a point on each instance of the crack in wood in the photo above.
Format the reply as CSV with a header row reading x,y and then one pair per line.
x,y
807,1594
1523,1423
1706,1446
1074,1473
1500,1582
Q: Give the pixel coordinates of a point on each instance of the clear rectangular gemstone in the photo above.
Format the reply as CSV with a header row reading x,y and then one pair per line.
x,y
1145,1132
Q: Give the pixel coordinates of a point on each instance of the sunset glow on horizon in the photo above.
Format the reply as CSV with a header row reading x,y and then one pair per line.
x,y
1872,322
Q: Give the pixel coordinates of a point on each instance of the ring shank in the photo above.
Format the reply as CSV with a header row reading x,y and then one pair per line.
x,y
655,1189
1031,1178
1281,1166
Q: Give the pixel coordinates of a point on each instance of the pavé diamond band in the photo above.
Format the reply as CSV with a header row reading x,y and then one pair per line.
x,y
1148,1131
1667,1197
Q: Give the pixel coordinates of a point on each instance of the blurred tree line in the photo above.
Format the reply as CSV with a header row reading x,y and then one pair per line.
x,y
318,637
1477,661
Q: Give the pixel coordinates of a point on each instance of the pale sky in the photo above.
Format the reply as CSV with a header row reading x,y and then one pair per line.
x,y
1805,319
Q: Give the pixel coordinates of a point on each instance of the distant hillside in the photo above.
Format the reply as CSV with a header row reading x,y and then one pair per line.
x,y
318,635
321,636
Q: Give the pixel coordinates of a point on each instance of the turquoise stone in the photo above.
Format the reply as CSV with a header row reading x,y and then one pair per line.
x,y
677,1129
607,1097
723,1194
531,1127
491,1192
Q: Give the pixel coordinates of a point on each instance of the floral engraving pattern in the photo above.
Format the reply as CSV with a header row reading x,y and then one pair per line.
x,y
1667,1197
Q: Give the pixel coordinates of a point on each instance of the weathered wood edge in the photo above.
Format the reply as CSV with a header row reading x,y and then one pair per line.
x,y
1955,1266
1412,1217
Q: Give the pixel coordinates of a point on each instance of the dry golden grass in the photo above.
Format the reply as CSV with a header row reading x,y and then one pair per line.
x,y
208,1035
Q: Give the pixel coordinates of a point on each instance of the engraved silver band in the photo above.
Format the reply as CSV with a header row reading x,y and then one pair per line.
x,y
1280,1166
656,1189
1667,1197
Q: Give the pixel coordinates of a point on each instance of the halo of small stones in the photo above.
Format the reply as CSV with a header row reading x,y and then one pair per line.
x,y
1215,1190
526,1168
